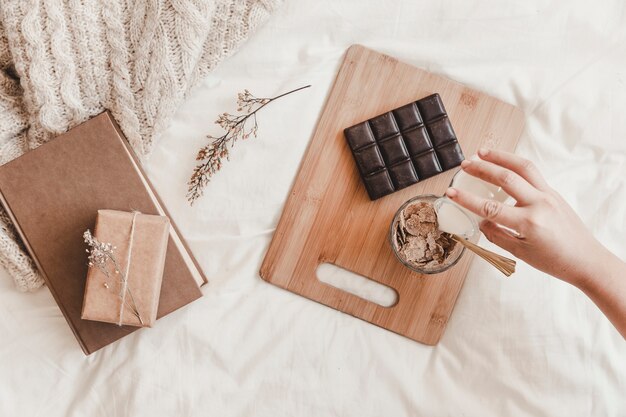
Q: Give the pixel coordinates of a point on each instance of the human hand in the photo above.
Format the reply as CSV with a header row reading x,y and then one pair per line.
x,y
552,238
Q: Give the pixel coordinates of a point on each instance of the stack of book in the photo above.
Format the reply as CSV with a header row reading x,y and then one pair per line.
x,y
53,194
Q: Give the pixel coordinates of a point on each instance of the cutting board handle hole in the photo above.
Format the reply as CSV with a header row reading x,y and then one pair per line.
x,y
357,284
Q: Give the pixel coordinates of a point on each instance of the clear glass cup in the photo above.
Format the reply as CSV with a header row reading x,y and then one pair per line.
x,y
464,181
453,257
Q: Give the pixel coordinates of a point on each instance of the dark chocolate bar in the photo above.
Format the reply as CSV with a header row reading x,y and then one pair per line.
x,y
404,146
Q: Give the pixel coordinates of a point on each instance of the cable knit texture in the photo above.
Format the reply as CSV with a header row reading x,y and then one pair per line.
x,y
64,61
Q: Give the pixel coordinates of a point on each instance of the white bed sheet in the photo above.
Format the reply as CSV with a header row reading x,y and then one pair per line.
x,y
525,346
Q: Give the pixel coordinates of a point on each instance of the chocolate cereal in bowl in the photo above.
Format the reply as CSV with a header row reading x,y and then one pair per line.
x,y
417,241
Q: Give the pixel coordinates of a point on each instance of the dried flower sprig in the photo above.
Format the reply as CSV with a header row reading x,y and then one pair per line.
x,y
100,254
237,127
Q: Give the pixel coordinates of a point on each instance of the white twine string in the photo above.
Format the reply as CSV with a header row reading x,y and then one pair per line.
x,y
127,268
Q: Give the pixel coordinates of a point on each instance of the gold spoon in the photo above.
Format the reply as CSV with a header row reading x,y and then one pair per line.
x,y
502,263
456,222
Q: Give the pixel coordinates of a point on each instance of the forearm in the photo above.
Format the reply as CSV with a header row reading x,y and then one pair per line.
x,y
606,287
550,235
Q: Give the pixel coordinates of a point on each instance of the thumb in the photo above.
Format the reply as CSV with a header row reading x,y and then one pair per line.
x,y
498,236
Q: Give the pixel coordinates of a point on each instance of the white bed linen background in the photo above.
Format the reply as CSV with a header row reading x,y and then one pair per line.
x,y
525,346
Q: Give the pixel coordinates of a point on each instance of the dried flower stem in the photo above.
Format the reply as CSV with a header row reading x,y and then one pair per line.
x,y
133,305
211,155
100,255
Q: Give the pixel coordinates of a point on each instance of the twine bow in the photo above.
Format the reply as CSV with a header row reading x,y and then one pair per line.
x,y
101,256
124,286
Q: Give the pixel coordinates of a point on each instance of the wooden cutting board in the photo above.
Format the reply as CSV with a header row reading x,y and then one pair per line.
x,y
328,216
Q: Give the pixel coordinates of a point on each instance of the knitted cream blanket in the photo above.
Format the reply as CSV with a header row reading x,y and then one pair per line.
x,y
64,61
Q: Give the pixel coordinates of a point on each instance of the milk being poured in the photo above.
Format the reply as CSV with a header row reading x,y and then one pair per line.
x,y
454,219
457,220
464,181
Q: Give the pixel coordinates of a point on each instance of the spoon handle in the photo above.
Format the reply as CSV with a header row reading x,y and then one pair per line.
x,y
502,263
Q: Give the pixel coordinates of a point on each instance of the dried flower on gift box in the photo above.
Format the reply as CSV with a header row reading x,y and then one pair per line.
x,y
237,127
101,256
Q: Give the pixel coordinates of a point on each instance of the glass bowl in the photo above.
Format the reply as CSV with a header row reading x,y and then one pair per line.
x,y
453,257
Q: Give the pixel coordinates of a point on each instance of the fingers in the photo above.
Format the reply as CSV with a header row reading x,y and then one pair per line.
x,y
488,209
513,184
498,236
523,167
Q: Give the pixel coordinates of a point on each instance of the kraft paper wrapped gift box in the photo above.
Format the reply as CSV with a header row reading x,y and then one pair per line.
x,y
139,246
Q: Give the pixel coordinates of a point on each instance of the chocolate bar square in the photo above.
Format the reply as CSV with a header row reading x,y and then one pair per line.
x,y
369,159
403,146
384,126
403,175
407,116
427,165
417,141
378,184
431,108
441,133
450,156
359,136
393,150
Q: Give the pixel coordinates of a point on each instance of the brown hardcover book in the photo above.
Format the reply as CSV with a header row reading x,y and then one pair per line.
x,y
53,194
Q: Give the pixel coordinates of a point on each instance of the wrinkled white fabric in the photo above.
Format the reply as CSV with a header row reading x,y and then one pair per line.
x,y
525,346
